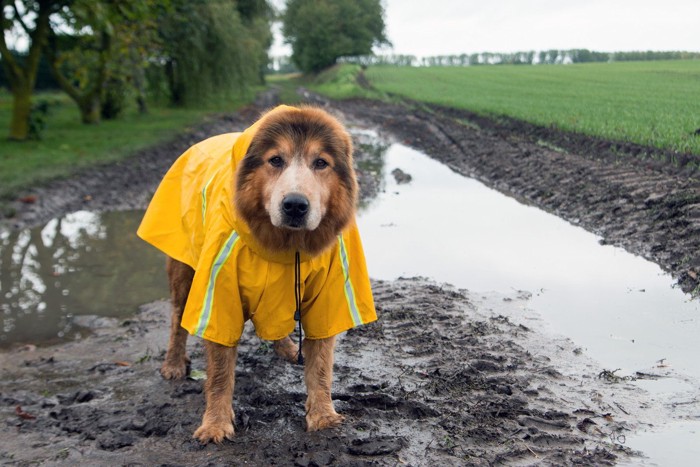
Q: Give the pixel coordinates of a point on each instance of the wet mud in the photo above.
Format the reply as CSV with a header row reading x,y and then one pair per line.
x,y
444,377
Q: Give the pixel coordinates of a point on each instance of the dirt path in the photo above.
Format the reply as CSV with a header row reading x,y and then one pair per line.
x,y
445,377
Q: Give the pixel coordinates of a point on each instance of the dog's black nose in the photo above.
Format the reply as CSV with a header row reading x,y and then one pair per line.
x,y
295,205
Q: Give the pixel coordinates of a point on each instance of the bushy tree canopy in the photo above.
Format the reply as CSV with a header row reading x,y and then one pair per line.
x,y
321,31
214,46
102,52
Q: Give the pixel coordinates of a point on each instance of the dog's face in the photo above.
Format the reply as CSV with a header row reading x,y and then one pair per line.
x,y
300,179
296,187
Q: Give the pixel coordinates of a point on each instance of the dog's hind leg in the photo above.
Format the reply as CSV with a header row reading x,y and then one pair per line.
x,y
217,422
180,278
287,349
318,373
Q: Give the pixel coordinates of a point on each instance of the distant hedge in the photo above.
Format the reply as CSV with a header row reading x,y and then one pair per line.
x,y
531,57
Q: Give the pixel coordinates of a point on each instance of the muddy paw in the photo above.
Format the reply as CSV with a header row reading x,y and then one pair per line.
x,y
214,432
286,349
321,421
173,370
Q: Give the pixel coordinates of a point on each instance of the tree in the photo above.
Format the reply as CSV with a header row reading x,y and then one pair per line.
x,y
78,59
321,31
257,16
101,47
29,19
210,47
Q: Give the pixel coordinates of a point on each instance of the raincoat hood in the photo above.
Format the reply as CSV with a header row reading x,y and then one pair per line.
x,y
192,218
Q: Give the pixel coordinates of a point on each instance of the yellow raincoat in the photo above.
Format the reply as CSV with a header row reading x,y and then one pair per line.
x,y
192,219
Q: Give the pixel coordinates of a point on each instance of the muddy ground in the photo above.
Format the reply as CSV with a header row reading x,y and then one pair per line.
x,y
445,377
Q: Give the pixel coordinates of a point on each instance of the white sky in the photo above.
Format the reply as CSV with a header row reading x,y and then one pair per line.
x,y
441,27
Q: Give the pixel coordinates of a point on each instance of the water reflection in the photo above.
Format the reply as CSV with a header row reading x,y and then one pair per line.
x,y
82,263
620,307
369,157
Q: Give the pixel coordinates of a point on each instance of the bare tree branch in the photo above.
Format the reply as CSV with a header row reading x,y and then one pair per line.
x,y
19,19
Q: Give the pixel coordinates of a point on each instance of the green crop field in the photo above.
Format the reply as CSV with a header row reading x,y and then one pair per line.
x,y
652,103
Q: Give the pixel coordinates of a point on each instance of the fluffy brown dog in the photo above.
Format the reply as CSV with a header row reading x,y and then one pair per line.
x,y
260,225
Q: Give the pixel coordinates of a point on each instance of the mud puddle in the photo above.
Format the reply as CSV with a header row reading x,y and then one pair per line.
x,y
69,276
623,310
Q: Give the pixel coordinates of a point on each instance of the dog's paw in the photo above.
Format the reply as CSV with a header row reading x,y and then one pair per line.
x,y
286,349
214,432
173,370
321,420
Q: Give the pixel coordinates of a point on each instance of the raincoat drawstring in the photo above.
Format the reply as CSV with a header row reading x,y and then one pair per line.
x,y
297,296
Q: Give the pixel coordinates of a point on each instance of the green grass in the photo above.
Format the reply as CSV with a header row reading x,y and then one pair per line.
x,y
337,82
651,103
340,82
67,145
286,86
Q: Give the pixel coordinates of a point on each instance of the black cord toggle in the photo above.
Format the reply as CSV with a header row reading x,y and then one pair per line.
x,y
297,297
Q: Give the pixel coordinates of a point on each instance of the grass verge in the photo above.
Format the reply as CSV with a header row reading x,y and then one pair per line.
x,y
67,145
336,82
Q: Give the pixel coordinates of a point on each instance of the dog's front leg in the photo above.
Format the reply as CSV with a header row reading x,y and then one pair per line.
x,y
318,373
217,422
180,277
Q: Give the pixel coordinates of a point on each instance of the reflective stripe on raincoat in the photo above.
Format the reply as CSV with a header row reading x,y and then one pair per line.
x,y
192,219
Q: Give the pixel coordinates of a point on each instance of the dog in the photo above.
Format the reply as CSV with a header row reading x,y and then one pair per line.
x,y
259,226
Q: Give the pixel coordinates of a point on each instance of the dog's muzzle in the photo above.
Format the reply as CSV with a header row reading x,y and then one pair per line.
x,y
295,208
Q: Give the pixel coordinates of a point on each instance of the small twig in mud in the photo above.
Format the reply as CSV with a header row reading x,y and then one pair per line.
x,y
510,436
529,449
23,415
620,407
611,377
145,357
62,454
652,376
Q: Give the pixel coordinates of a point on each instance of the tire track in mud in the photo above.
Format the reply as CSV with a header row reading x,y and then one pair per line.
x,y
649,207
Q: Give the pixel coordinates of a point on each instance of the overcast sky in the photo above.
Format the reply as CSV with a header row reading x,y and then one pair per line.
x,y
439,27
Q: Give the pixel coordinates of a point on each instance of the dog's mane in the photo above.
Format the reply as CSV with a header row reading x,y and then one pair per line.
x,y
298,126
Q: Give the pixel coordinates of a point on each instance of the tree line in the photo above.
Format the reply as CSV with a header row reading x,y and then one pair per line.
x,y
551,57
103,52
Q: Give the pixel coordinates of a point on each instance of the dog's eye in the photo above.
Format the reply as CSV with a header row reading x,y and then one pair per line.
x,y
276,161
320,164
